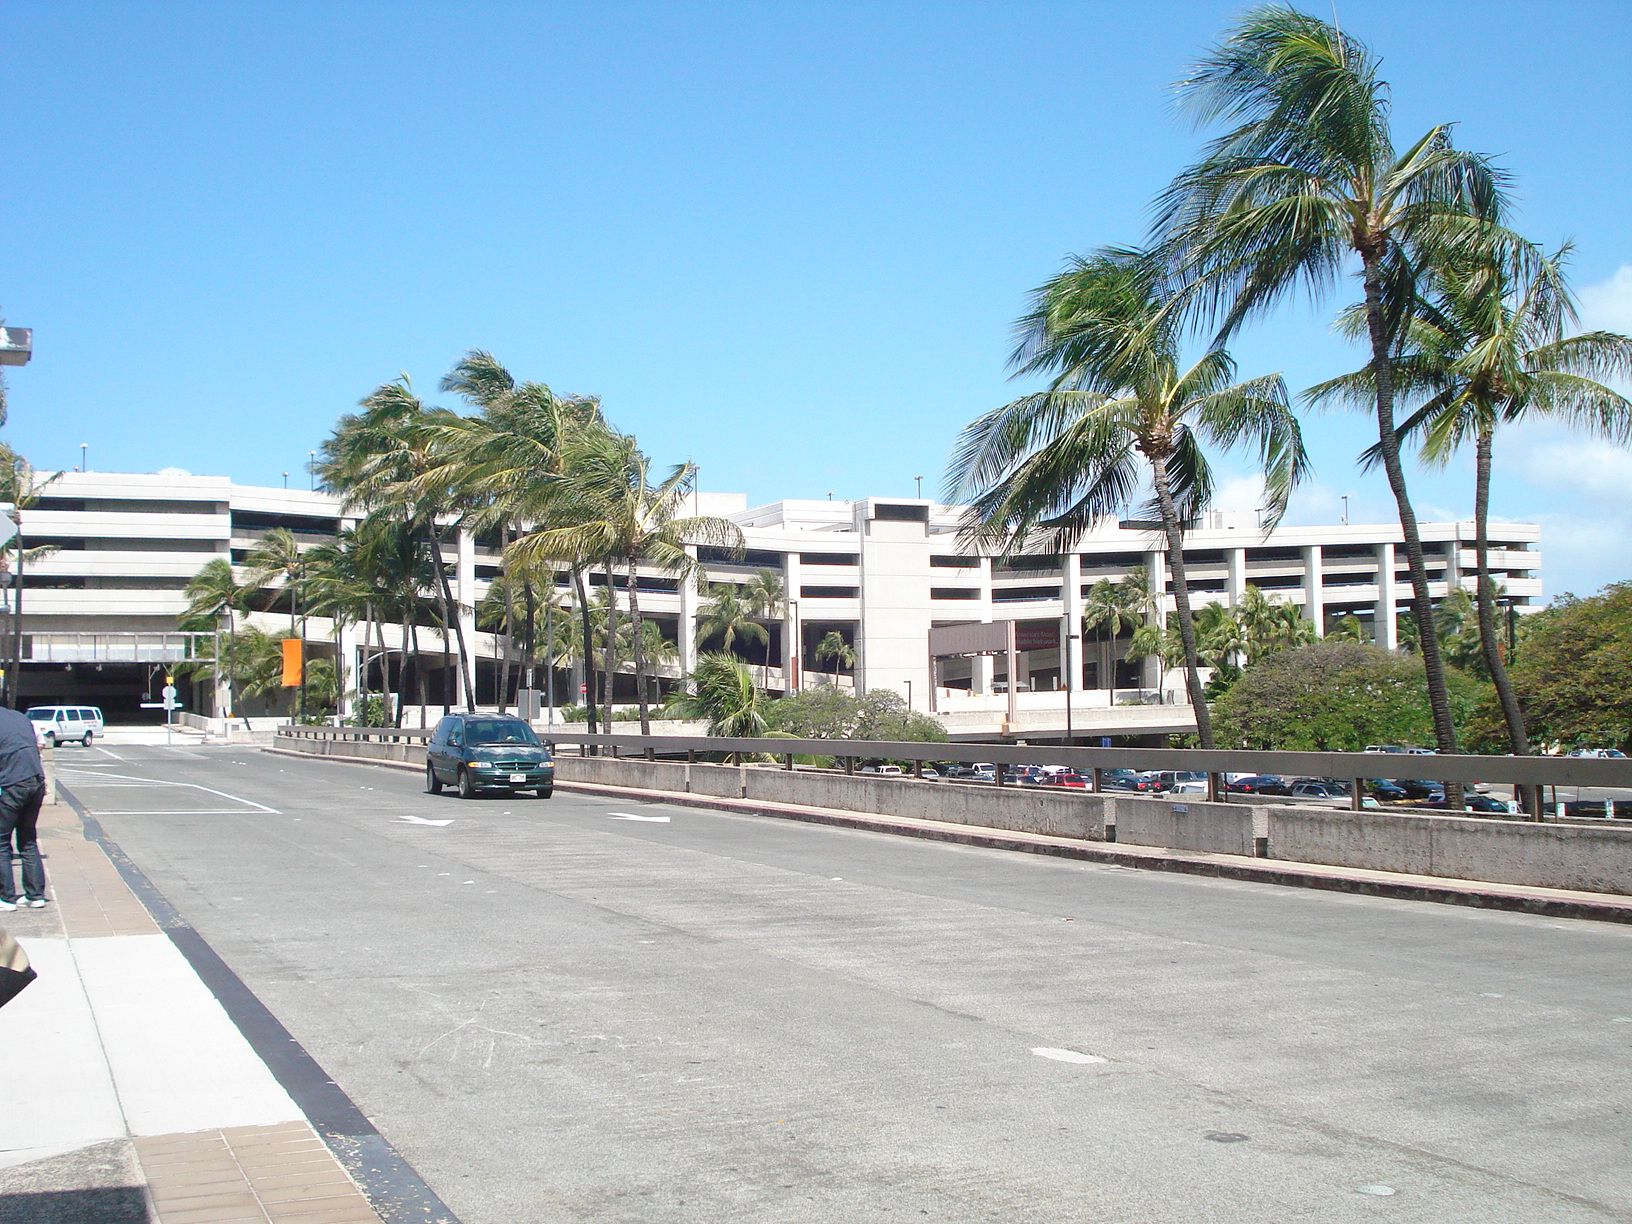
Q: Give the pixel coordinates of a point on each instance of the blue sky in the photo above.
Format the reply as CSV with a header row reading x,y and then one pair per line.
x,y
787,241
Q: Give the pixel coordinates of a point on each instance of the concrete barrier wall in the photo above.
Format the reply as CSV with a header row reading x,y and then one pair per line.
x,y
1215,828
1457,847
1019,809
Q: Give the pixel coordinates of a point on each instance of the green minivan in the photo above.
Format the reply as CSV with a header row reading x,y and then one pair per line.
x,y
487,752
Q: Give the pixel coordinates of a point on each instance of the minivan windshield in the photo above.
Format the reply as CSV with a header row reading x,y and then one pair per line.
x,y
499,731
42,715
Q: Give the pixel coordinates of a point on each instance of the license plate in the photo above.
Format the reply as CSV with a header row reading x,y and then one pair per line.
x,y
518,777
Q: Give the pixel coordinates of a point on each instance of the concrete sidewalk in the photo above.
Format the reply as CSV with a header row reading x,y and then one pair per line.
x,y
131,1095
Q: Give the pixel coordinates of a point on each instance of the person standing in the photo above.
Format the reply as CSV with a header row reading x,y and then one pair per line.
x,y
22,790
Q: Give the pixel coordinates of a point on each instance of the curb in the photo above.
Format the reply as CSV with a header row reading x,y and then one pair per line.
x,y
1471,893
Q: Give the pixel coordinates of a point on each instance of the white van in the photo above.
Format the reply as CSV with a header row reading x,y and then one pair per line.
x,y
59,724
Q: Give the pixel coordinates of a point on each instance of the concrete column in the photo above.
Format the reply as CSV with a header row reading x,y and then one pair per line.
x,y
1453,566
464,593
793,663
1156,567
1386,632
1236,583
1073,620
690,600
1314,599
345,652
982,667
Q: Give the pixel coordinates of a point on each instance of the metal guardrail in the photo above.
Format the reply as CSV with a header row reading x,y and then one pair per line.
x,y
1502,770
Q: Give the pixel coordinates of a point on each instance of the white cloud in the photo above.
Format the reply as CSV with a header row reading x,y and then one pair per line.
x,y
1607,305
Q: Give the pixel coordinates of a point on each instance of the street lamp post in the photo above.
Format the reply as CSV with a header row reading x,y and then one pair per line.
x,y
796,650
919,481
1070,685
908,683
83,447
311,470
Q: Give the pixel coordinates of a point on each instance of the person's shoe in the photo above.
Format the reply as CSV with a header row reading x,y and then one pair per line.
x,y
34,903
7,905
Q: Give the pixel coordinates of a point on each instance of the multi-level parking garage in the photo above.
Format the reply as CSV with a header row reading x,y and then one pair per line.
x,y
102,611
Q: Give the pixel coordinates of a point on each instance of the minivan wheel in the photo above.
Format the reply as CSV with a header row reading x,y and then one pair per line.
x,y
433,784
87,740
544,792
467,789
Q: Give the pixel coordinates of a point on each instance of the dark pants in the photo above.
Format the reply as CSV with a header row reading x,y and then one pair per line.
x,y
20,818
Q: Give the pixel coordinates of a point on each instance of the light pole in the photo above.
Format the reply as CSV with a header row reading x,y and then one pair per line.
x,y
796,650
311,470
908,683
83,447
919,481
1345,509
286,480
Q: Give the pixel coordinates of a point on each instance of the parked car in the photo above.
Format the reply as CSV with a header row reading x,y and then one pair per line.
x,y
61,724
1474,803
1386,791
1613,754
1172,779
1421,788
1328,792
1257,784
1068,779
487,752
892,770
1146,784
1119,779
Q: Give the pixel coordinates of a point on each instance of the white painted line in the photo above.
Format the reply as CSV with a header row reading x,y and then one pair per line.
x,y
632,816
105,752
420,820
208,790
1067,1056
176,812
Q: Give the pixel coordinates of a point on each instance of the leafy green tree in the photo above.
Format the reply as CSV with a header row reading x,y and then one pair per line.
x,y
1120,408
829,713
1346,627
1334,697
1307,177
278,559
1572,670
767,597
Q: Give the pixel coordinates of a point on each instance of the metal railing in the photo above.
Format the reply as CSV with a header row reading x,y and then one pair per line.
x,y
1355,767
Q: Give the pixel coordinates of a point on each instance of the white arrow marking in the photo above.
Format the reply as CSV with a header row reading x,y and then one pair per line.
x,y
632,816
420,820
1069,1056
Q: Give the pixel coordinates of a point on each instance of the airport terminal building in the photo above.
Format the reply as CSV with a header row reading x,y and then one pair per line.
x,y
101,609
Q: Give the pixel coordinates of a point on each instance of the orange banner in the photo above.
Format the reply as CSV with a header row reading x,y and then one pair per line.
x,y
291,662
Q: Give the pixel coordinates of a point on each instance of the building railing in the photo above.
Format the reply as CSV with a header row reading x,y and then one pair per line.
x,y
63,647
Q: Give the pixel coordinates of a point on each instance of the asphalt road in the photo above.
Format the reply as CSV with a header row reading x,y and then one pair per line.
x,y
590,1010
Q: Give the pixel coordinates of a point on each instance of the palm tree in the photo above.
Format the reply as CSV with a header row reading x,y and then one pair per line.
x,y
630,521
833,647
1490,346
278,559
391,456
1112,608
727,616
512,458
1307,177
1347,627
768,599
723,692
1119,408
214,592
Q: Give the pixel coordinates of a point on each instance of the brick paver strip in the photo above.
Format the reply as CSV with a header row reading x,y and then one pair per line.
x,y
260,1173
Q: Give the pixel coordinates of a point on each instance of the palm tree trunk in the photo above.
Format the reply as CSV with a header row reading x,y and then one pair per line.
x,y
421,680
640,650
444,593
587,625
1489,639
1389,446
1181,596
609,680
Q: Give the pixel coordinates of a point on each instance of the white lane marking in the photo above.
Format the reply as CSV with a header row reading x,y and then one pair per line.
x,y
632,816
1067,1056
208,790
420,820
107,753
177,812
